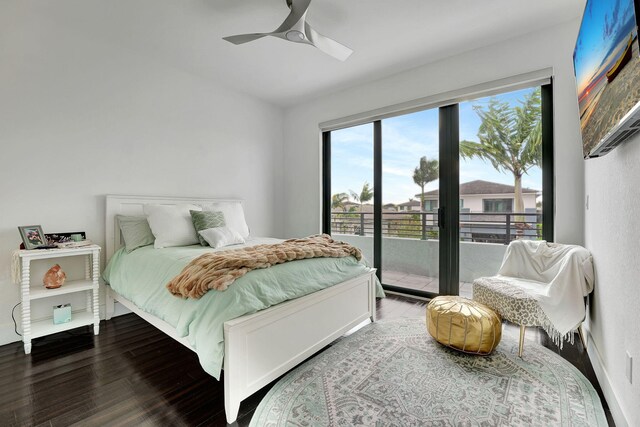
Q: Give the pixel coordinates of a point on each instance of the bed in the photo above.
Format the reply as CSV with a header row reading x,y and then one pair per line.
x,y
257,347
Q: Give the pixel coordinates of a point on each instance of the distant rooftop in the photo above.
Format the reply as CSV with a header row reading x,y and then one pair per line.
x,y
410,203
483,187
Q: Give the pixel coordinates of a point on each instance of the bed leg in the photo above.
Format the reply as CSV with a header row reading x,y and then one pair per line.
x,y
231,408
110,303
232,393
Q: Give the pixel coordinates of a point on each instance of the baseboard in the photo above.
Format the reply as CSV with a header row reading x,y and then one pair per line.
x,y
8,334
605,383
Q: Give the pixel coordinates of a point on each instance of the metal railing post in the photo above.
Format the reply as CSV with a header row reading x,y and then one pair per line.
x,y
507,235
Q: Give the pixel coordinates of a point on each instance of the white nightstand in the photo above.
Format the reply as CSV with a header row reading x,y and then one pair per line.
x,y
29,293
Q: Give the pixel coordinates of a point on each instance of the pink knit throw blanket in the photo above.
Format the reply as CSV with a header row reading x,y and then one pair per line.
x,y
217,270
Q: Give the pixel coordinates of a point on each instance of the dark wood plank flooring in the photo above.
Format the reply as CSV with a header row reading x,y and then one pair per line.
x,y
133,374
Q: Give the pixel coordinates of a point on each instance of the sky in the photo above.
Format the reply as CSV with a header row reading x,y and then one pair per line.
x,y
605,27
404,140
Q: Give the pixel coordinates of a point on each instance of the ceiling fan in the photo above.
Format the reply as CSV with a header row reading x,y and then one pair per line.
x,y
296,29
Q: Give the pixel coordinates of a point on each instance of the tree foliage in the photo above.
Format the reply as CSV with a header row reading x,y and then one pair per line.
x,y
364,196
338,201
427,171
510,138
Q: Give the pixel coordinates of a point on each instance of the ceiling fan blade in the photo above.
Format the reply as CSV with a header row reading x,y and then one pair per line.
x,y
327,45
298,11
245,38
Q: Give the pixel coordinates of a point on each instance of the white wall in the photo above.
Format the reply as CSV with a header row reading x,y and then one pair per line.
x,y
80,119
612,234
549,48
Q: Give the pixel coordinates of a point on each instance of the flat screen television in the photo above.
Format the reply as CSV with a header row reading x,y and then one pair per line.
x,y
607,68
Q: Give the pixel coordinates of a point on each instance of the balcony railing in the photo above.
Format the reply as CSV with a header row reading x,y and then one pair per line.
x,y
474,227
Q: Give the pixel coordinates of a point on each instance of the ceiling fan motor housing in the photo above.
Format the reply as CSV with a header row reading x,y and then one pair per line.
x,y
295,36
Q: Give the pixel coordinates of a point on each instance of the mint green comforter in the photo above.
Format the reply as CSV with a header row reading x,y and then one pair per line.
x,y
141,276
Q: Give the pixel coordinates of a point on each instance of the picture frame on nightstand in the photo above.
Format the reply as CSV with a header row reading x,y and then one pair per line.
x,y
32,236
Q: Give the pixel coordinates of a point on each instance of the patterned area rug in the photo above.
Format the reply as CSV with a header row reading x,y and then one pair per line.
x,y
392,373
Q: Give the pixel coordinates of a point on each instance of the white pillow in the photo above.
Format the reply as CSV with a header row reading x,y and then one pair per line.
x,y
219,237
172,225
233,216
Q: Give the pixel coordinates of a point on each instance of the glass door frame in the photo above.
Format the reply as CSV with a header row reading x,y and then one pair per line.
x,y
449,210
449,192
448,256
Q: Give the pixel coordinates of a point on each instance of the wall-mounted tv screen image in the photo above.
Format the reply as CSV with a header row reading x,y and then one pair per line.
x,y
607,67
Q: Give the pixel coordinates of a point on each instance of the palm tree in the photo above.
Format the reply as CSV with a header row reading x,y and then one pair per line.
x,y
427,171
510,138
365,195
338,200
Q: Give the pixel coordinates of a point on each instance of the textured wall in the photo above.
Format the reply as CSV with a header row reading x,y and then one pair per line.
x,y
612,234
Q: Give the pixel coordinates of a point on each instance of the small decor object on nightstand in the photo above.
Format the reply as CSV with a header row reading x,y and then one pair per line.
x,y
54,278
61,314
32,236
61,239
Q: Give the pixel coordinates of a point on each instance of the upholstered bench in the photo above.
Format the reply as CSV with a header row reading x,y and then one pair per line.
x,y
464,324
514,304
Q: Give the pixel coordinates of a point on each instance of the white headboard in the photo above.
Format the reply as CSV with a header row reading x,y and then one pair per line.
x,y
132,205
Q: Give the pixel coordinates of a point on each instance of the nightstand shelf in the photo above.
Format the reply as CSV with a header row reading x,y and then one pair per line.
x,y
46,326
29,293
68,288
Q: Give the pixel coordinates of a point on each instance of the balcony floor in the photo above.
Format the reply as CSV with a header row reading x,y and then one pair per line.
x,y
418,282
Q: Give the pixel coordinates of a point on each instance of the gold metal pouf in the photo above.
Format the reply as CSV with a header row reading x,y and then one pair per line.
x,y
464,324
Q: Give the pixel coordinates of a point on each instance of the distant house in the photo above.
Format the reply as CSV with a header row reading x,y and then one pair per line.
x,y
353,207
347,206
486,215
356,219
485,196
411,205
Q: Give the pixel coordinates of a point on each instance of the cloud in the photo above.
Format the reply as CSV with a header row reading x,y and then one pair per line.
x,y
405,140
362,134
360,161
398,171
611,23
531,183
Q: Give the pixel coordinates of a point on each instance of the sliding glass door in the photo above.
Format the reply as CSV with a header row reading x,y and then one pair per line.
x,y
433,197
351,196
500,179
410,197
382,193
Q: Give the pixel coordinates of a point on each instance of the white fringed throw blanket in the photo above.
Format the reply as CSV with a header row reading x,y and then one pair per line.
x,y
567,274
217,270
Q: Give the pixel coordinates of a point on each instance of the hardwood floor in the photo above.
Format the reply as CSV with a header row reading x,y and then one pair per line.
x,y
133,374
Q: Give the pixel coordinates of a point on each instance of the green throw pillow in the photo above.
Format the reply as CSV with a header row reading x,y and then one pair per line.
x,y
203,220
135,232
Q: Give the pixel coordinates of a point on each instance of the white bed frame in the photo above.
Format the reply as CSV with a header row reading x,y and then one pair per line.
x,y
260,347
